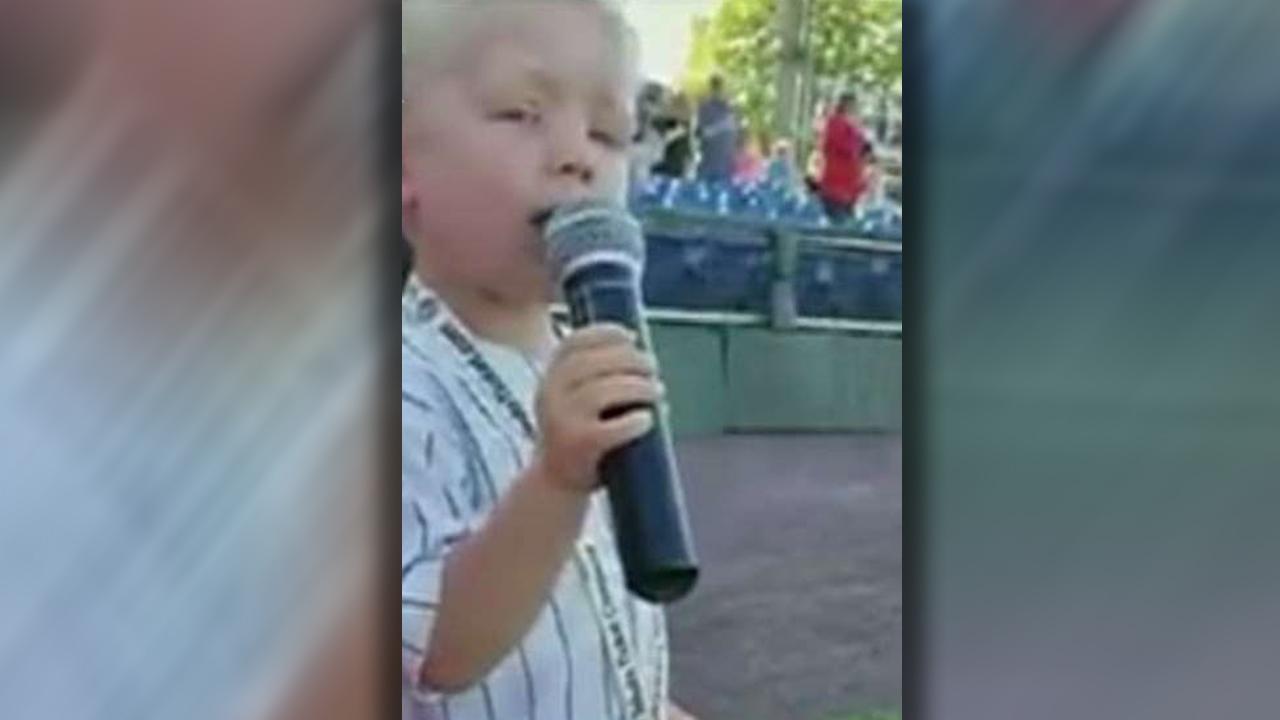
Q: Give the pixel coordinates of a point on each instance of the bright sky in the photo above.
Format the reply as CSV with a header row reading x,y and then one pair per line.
x,y
665,33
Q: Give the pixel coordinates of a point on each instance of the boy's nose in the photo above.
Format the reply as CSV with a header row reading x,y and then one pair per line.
x,y
577,169
573,156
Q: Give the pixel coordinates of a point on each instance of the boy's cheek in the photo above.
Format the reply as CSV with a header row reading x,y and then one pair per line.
x,y
614,181
471,234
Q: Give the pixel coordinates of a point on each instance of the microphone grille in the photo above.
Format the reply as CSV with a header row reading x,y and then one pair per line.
x,y
582,229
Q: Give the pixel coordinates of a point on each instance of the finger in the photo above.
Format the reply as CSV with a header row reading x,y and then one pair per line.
x,y
589,365
618,391
575,355
595,335
625,428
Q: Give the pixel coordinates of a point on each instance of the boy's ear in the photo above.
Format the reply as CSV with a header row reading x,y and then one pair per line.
x,y
408,200
408,194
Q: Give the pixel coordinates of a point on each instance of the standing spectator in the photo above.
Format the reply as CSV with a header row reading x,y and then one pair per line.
x,y
674,126
781,173
717,134
844,153
648,143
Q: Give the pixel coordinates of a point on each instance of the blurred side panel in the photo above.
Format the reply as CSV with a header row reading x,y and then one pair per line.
x,y
1097,397
192,251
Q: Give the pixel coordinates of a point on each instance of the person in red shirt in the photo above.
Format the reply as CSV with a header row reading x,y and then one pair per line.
x,y
844,153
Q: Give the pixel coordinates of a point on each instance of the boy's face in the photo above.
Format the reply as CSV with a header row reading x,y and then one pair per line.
x,y
538,113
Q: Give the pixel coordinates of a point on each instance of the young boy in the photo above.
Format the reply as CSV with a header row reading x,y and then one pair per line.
x,y
511,108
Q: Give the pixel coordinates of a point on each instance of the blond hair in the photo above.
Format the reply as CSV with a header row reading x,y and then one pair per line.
x,y
432,31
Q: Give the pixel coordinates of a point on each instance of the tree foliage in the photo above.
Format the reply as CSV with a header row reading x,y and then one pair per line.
x,y
847,44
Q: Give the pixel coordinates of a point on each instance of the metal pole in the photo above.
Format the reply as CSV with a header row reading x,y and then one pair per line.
x,y
790,20
804,112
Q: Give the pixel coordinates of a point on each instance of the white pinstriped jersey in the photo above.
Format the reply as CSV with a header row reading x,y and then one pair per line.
x,y
460,453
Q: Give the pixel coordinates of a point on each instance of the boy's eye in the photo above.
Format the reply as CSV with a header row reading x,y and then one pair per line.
x,y
608,139
518,115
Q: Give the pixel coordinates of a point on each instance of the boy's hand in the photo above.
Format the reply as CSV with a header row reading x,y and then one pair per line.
x,y
595,369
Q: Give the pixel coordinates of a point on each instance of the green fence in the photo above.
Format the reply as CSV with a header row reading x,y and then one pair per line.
x,y
725,377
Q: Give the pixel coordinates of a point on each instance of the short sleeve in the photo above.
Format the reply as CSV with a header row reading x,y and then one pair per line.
x,y
435,513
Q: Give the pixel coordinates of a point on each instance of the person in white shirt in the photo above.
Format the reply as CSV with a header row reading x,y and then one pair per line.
x,y
501,510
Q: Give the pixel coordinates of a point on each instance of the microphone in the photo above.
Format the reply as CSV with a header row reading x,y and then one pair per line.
x,y
595,249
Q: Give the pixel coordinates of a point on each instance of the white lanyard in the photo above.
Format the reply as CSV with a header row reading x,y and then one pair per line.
x,y
620,647
622,658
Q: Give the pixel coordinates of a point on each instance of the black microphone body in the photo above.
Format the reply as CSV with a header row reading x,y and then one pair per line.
x,y
650,522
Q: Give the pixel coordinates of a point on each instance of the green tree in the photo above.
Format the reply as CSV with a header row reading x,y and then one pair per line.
x,y
849,43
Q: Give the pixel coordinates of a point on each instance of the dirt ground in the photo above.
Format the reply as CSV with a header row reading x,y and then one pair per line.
x,y
798,613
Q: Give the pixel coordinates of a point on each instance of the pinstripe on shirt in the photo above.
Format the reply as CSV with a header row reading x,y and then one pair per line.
x,y
558,671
